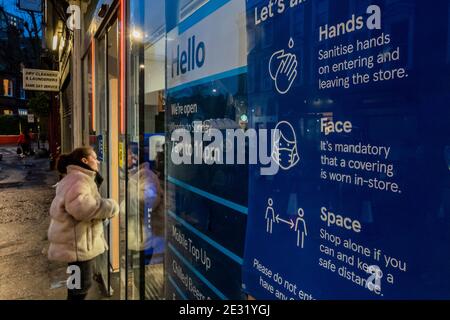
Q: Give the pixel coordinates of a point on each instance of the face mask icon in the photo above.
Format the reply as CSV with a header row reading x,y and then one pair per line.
x,y
285,152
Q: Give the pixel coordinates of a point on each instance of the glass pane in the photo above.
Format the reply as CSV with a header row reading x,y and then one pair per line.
x,y
113,151
87,99
145,152
206,191
101,113
101,141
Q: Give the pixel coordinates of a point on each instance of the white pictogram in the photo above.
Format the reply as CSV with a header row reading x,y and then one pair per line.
x,y
285,152
283,69
270,216
300,227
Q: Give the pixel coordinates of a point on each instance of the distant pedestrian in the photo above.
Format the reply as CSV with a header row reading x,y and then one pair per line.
x,y
29,140
77,213
24,143
21,144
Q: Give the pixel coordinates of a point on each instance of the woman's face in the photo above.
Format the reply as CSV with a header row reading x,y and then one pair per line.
x,y
92,161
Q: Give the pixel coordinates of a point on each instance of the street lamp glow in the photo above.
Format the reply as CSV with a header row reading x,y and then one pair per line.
x,y
137,35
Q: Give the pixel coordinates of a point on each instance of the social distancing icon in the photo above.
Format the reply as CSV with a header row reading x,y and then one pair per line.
x,y
299,226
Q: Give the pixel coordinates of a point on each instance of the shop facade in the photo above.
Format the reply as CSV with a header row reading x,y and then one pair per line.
x,y
349,191
123,111
123,117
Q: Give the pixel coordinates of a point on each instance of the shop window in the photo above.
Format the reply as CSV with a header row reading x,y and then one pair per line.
x,y
8,87
89,134
145,150
208,90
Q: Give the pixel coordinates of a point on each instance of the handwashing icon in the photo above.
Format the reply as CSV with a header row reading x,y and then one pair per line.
x,y
283,69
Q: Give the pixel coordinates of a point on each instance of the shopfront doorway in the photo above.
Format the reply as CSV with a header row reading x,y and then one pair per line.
x,y
106,141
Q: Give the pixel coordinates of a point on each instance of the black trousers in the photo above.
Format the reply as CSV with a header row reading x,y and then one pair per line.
x,y
86,269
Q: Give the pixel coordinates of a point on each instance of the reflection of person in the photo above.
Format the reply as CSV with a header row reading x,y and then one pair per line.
x,y
76,228
303,231
145,198
159,161
270,216
145,218
145,193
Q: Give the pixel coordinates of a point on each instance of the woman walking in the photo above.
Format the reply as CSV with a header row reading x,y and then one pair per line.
x,y
77,213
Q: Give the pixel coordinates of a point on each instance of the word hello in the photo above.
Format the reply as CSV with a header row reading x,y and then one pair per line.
x,y
373,22
190,59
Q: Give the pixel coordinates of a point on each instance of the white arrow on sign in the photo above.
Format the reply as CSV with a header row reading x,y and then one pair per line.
x,y
290,222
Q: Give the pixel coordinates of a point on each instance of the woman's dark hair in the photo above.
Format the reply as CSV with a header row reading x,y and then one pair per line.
x,y
73,158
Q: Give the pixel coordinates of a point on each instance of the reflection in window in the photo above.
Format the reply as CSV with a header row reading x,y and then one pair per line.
x,y
190,6
145,150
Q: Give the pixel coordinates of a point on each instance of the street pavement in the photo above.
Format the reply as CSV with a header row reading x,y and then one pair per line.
x,y
25,196
26,193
